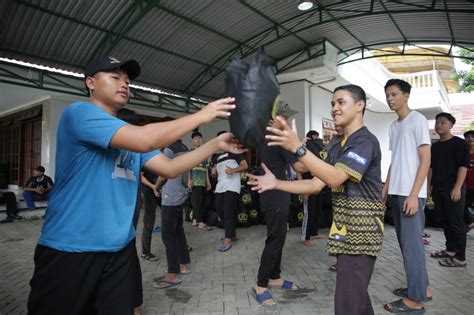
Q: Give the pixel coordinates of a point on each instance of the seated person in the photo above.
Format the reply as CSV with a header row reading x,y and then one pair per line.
x,y
12,212
37,187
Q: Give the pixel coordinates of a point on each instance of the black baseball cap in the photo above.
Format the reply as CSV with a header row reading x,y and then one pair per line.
x,y
131,67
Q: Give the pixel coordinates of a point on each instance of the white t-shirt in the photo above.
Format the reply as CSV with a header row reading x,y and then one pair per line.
x,y
227,182
405,138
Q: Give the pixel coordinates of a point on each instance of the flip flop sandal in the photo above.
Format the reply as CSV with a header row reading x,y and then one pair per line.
x,y
263,297
400,307
403,292
286,286
426,242
149,257
426,235
233,238
161,283
223,247
333,268
440,254
205,228
451,263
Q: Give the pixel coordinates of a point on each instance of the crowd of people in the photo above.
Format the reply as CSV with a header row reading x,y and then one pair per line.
x,y
106,162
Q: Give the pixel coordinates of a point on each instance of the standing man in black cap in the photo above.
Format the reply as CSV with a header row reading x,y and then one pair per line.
x,y
85,261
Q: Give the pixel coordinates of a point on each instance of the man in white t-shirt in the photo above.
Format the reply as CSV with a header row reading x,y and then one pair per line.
x,y
406,190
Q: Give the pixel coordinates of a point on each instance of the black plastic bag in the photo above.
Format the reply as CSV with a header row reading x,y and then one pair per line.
x,y
256,90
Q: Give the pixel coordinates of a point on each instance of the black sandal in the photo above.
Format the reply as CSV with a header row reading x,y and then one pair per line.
x,y
149,257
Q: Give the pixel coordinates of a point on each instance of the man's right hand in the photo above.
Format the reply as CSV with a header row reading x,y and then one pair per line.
x,y
218,108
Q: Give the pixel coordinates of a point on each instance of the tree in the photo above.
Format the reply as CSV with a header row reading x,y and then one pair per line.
x,y
466,78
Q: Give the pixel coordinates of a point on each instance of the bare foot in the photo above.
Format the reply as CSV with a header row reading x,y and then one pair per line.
x,y
308,243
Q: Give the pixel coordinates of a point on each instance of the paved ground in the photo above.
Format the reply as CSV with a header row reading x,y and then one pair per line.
x,y
220,282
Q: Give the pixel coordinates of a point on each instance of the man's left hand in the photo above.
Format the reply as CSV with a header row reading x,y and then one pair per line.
x,y
286,138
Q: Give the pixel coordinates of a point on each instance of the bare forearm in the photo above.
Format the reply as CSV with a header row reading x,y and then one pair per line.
x,y
423,169
154,136
301,187
187,161
461,176
329,174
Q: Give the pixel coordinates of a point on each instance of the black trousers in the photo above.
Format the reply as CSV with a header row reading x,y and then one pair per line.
x,y
227,204
149,217
10,200
270,263
84,283
197,201
315,212
452,220
172,234
469,204
352,283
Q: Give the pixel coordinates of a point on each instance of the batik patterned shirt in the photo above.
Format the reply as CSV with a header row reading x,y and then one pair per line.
x,y
357,227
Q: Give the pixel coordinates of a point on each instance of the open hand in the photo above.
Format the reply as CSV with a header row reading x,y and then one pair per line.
x,y
218,108
286,138
263,182
228,143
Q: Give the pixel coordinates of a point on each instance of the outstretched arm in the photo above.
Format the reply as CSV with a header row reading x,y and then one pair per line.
x,y
171,168
288,139
270,182
158,135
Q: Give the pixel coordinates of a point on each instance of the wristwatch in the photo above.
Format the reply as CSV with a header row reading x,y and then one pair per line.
x,y
301,151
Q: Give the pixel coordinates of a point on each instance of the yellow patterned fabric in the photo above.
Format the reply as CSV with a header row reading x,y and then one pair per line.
x,y
357,227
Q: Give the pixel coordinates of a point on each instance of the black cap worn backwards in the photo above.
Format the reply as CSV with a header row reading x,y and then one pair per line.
x,y
131,67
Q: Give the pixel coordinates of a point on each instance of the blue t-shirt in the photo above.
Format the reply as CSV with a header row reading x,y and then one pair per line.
x,y
92,205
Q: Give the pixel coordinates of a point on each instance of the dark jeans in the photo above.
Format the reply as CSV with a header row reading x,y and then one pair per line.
x,y
197,201
452,220
30,198
10,200
227,204
149,216
352,281
270,263
85,283
172,234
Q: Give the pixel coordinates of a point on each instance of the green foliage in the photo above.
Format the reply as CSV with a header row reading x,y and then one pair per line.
x,y
466,78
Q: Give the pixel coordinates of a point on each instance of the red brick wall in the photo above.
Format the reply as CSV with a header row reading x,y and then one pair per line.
x,y
464,115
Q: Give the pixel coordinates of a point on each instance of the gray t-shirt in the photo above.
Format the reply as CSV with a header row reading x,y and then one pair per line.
x,y
174,191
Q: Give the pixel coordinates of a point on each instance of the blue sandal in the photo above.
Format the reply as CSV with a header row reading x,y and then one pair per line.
x,y
286,286
263,297
223,247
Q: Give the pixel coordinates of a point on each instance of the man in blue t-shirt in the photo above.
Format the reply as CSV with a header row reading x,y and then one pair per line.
x,y
85,258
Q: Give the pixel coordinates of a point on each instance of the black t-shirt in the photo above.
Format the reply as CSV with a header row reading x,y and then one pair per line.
x,y
45,182
315,146
446,158
277,160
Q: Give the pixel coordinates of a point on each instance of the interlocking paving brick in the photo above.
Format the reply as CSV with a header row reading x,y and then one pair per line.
x,y
220,282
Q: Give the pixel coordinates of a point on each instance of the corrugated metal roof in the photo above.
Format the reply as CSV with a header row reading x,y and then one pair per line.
x,y
184,46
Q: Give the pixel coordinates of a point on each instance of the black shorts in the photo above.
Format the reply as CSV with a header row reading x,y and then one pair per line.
x,y
85,283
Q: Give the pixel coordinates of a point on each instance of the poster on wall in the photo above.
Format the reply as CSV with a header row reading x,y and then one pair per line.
x,y
329,130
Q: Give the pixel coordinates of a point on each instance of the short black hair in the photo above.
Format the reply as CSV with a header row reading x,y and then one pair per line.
x,y
196,134
469,132
357,93
221,132
404,86
128,115
448,116
312,133
40,168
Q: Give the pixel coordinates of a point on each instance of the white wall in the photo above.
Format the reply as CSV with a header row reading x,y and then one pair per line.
x,y
378,124
296,94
